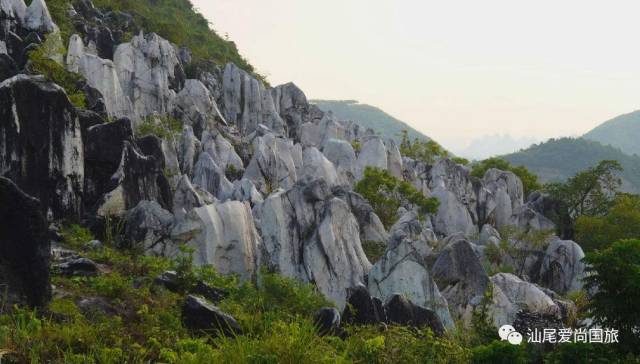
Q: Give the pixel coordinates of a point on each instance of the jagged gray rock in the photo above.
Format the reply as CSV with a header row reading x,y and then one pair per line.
x,y
24,248
273,164
223,235
403,270
316,165
211,177
511,294
343,157
311,235
244,190
187,197
562,268
149,225
501,196
450,183
461,278
149,72
373,154
35,112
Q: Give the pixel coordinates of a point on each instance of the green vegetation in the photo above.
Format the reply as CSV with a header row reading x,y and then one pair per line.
x,y
386,194
514,249
420,150
529,180
559,159
589,193
164,127
622,221
369,117
58,10
621,132
179,22
613,275
374,250
41,62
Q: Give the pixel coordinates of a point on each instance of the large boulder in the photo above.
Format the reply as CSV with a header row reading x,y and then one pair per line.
x,y
273,164
311,235
343,157
223,235
373,154
223,152
24,248
100,74
292,106
501,196
199,314
141,177
512,295
316,165
371,227
461,278
41,145
103,148
362,309
247,103
402,311
148,225
403,270
197,106
37,18
187,197
562,268
211,177
451,184
149,72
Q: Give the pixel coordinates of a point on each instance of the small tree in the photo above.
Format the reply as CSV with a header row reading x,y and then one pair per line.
x,y
588,193
421,150
386,194
529,180
622,221
614,276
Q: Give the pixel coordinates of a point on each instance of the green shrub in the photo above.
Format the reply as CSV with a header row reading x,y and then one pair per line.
x,y
529,180
386,194
420,150
40,62
374,250
164,127
75,236
499,352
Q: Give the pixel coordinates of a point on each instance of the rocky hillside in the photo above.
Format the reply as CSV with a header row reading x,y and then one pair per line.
x,y
166,159
621,132
370,117
559,159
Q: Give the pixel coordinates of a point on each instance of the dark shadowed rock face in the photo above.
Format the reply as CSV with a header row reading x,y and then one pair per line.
x,y
103,152
24,247
200,315
41,145
401,311
143,178
327,321
362,309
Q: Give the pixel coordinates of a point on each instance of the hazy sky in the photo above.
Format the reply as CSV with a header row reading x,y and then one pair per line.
x,y
455,70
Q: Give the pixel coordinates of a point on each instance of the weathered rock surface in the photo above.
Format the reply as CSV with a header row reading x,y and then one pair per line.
x,y
149,225
373,154
223,235
562,268
247,103
403,270
24,248
208,175
362,309
511,295
501,196
310,234
461,278
34,112
149,72
327,321
402,311
343,157
273,164
200,315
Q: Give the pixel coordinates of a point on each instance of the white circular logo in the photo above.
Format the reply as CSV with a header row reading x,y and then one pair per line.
x,y
504,331
515,338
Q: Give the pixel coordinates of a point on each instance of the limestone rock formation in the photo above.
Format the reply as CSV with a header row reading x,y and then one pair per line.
x,y
54,171
24,248
310,234
562,268
223,235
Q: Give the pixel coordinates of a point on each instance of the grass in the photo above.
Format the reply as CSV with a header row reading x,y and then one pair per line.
x,y
165,127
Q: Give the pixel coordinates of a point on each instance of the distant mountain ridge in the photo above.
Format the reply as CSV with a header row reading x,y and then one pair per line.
x,y
369,117
559,159
622,132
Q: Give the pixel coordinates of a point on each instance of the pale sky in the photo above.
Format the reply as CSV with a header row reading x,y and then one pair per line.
x,y
455,70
